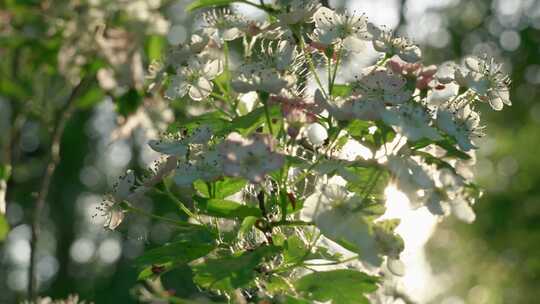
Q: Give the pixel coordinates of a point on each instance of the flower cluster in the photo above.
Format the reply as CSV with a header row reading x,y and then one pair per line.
x,y
279,154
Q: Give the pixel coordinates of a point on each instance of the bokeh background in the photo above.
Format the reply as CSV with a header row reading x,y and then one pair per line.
x,y
47,47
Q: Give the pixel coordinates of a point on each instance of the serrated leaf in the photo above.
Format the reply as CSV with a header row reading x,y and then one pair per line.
x,y
225,208
224,188
230,272
207,3
342,286
294,250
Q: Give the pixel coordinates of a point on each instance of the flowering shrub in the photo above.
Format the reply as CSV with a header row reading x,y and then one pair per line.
x,y
280,182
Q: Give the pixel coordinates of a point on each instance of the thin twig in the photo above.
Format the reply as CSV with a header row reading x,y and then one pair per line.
x,y
54,159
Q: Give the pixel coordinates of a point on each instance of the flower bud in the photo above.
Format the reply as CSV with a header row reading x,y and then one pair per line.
x,y
316,134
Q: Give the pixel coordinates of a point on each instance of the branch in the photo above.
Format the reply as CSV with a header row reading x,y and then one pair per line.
x,y
53,162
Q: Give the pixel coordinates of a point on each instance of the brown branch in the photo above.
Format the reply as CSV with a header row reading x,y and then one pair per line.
x,y
54,160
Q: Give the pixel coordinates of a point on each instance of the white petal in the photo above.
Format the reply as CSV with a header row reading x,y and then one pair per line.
x,y
231,34
177,88
397,267
185,174
114,218
201,89
325,18
496,103
176,148
354,44
472,63
123,188
411,54
463,211
212,69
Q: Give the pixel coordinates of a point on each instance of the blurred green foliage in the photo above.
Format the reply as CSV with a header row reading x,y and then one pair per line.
x,y
494,260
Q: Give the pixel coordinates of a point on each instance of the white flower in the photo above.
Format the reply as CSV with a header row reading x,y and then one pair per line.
x,y
194,79
280,55
411,120
382,85
297,11
485,78
176,147
273,71
110,208
459,120
331,208
258,77
412,178
251,158
354,107
450,196
349,30
206,166
224,25
316,134
386,42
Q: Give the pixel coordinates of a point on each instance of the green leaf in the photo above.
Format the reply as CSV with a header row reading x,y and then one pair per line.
x,y
213,119
91,97
247,224
4,228
294,250
430,159
207,3
155,45
341,90
5,172
226,209
248,123
128,103
155,270
342,286
177,252
230,272
447,144
389,242
224,188
290,300
451,150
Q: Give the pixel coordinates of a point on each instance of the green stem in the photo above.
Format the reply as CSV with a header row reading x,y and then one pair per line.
x,y
291,223
217,107
333,79
311,65
264,98
335,263
178,202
